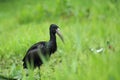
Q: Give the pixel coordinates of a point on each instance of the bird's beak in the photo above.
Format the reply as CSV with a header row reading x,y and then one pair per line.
x,y
59,34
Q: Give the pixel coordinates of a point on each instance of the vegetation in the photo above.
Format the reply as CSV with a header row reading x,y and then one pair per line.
x,y
87,26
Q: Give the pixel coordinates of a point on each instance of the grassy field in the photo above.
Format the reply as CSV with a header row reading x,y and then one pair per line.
x,y
87,26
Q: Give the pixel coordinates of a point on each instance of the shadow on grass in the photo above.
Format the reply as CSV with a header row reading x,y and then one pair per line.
x,y
6,78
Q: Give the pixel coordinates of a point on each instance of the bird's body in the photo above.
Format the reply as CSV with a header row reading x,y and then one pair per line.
x,y
33,55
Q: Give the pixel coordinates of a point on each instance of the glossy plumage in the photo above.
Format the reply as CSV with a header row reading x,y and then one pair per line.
x,y
33,55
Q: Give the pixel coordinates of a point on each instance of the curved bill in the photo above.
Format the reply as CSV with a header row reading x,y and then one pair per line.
x,y
59,34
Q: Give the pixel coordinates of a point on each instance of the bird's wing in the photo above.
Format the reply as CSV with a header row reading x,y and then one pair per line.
x,y
34,48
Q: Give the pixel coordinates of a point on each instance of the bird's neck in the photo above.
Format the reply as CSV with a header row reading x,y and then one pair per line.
x,y
52,43
52,37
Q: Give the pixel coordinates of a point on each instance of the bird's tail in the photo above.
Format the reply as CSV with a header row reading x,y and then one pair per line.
x,y
24,65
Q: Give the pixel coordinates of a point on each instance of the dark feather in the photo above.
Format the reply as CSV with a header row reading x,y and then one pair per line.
x,y
33,55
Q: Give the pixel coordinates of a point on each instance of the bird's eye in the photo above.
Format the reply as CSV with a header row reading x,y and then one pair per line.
x,y
58,29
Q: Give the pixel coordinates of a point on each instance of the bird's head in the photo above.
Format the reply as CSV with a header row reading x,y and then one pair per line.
x,y
55,29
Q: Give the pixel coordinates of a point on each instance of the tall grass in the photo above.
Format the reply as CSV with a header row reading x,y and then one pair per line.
x,y
85,25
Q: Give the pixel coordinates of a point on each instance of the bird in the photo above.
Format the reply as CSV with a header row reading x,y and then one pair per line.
x,y
42,49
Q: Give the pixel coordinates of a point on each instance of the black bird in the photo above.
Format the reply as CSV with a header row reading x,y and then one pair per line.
x,y
33,56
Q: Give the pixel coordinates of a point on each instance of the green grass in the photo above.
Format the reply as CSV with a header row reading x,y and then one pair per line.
x,y
85,25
